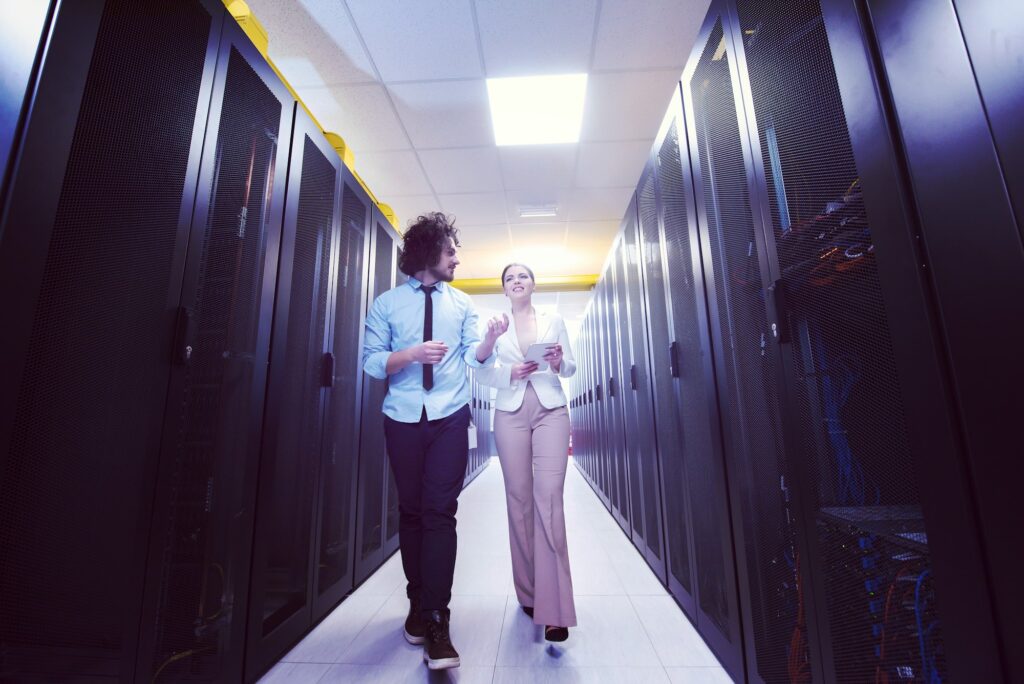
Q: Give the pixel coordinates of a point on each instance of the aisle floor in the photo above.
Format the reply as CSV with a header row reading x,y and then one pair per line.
x,y
630,629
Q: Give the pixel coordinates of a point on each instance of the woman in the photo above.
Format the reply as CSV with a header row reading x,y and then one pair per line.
x,y
531,428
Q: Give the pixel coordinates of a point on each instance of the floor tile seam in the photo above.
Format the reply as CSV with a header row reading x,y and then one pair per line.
x,y
363,629
647,632
501,635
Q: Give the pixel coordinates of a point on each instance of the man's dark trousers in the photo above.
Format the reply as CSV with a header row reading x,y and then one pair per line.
x,y
428,460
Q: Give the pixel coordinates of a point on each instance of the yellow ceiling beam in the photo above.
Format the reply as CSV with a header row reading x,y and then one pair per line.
x,y
569,283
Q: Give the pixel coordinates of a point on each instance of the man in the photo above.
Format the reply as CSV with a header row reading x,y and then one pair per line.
x,y
421,335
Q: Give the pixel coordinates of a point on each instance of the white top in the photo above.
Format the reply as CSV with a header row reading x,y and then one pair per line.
x,y
550,329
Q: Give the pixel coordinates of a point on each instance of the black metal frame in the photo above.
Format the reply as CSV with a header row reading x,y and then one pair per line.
x,y
325,599
640,388
364,566
38,161
263,650
232,37
720,12
729,650
970,281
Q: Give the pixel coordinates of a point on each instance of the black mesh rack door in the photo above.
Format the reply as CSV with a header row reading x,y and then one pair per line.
x,y
390,543
90,273
872,561
624,395
765,524
282,571
337,512
639,376
672,451
373,460
201,536
613,395
701,470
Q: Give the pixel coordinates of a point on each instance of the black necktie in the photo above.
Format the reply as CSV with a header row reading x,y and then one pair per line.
x,y
428,334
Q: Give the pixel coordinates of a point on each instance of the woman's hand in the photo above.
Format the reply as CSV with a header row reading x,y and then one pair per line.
x,y
496,327
554,357
522,370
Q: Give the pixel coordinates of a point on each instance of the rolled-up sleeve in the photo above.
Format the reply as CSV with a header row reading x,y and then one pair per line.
x,y
377,341
471,340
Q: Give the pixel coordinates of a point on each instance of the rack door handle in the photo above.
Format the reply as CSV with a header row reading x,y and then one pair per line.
x,y
327,370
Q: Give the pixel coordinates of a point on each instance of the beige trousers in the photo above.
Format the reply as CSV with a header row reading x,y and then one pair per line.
x,y
533,446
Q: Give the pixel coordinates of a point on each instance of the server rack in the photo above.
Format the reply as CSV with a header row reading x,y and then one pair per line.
x,y
91,280
377,526
642,447
614,425
301,371
336,508
964,176
201,531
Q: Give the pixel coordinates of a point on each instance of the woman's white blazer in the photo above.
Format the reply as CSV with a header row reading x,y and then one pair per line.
x,y
550,328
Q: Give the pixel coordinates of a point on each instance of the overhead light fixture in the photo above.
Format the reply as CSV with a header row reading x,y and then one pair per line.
x,y
537,210
537,110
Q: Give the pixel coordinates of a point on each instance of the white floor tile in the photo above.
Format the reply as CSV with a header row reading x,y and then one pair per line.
x,y
674,637
337,631
697,675
406,674
630,629
294,673
609,634
388,578
580,675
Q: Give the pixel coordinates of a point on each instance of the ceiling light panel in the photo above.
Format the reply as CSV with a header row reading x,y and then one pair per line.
x,y
537,110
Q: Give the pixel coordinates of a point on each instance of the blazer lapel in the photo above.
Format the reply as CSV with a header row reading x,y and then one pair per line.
x,y
543,320
513,337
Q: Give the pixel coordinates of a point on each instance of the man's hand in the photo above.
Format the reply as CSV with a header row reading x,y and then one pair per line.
x,y
428,352
522,370
496,327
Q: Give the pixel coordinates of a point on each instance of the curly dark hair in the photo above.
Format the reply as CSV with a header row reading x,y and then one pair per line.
x,y
424,240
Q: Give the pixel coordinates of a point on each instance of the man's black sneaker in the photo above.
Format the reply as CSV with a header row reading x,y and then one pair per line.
x,y
439,653
415,625
528,610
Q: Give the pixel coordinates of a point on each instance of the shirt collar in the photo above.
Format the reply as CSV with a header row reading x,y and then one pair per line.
x,y
414,283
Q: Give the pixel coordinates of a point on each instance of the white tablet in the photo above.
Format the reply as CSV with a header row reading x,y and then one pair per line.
x,y
536,353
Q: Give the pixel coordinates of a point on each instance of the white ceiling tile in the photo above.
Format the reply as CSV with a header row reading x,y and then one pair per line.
x,y
476,238
533,37
611,164
516,199
408,207
313,42
455,171
482,263
415,41
392,174
538,167
599,204
476,208
538,235
362,115
648,34
445,113
627,106
585,234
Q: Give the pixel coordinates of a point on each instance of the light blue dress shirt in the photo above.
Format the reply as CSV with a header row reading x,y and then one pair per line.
x,y
395,322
